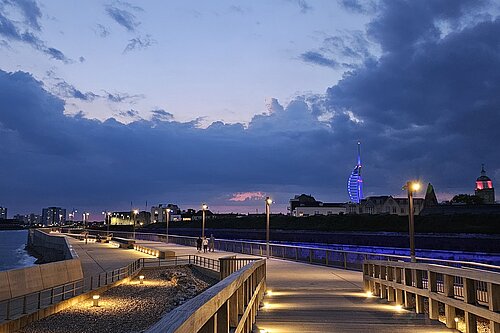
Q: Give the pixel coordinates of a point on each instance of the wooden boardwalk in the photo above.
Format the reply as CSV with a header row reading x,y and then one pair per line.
x,y
305,298
308,298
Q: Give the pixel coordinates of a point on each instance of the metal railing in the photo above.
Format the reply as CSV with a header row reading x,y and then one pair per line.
x,y
475,292
18,306
352,260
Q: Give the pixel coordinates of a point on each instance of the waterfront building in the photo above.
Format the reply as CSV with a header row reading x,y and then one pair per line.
x,y
159,213
387,204
53,216
3,213
128,218
355,182
306,205
484,188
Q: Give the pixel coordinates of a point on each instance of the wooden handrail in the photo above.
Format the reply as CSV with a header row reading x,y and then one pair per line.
x,y
236,298
475,292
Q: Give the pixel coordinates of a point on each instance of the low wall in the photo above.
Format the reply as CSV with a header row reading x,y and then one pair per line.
x,y
23,281
50,246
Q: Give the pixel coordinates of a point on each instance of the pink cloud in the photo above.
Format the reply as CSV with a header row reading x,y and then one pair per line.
x,y
247,196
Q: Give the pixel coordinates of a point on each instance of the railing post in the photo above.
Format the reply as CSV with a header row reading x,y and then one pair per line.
x,y
449,311
345,259
469,293
419,300
432,287
223,318
24,305
494,304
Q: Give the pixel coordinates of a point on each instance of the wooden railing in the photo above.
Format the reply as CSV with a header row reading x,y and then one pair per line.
x,y
474,292
229,306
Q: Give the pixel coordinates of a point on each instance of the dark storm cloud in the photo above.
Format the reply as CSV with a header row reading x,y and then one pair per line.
x,y
430,104
428,107
318,59
111,156
14,31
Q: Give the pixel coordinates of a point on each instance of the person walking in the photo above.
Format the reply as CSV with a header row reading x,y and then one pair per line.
x,y
212,243
198,244
205,244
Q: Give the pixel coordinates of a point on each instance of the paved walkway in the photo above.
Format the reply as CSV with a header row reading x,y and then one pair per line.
x,y
305,298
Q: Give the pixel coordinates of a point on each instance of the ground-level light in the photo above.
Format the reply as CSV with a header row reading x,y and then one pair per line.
x,y
141,279
95,300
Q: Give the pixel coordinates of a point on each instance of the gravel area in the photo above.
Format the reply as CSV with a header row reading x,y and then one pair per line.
x,y
130,307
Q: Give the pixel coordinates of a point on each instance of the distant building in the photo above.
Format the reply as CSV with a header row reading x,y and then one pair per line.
x,y
305,205
128,218
198,216
484,188
53,216
386,204
3,213
159,213
355,182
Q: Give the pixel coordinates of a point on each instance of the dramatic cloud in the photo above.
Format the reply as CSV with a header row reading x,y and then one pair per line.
x,y
427,106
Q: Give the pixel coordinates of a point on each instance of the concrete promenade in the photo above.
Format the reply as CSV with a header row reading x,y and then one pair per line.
x,y
305,298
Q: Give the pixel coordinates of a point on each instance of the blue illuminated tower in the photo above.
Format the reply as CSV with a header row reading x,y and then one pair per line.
x,y
355,182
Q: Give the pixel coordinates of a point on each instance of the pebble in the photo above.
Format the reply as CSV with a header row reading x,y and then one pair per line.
x,y
127,308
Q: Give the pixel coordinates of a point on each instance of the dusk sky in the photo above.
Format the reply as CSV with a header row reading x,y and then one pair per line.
x,y
104,103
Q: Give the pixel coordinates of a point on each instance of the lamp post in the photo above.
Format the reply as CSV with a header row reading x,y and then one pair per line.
x,y
85,220
411,186
167,211
268,211
107,220
204,207
135,217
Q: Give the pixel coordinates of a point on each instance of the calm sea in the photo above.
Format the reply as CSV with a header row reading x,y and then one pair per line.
x,y
12,252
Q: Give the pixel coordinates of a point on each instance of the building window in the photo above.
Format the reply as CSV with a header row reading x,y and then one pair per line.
x,y
402,210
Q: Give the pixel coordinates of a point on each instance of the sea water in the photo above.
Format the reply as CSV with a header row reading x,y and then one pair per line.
x,y
12,250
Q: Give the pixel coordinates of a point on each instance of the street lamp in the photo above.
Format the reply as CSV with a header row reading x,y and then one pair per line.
x,y
411,186
167,211
204,207
107,220
269,201
85,220
135,217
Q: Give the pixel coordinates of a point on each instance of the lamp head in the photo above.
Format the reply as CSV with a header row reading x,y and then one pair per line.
x,y
269,201
136,211
204,207
415,186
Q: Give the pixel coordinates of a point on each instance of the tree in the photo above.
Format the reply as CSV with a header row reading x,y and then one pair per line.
x,y
467,199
